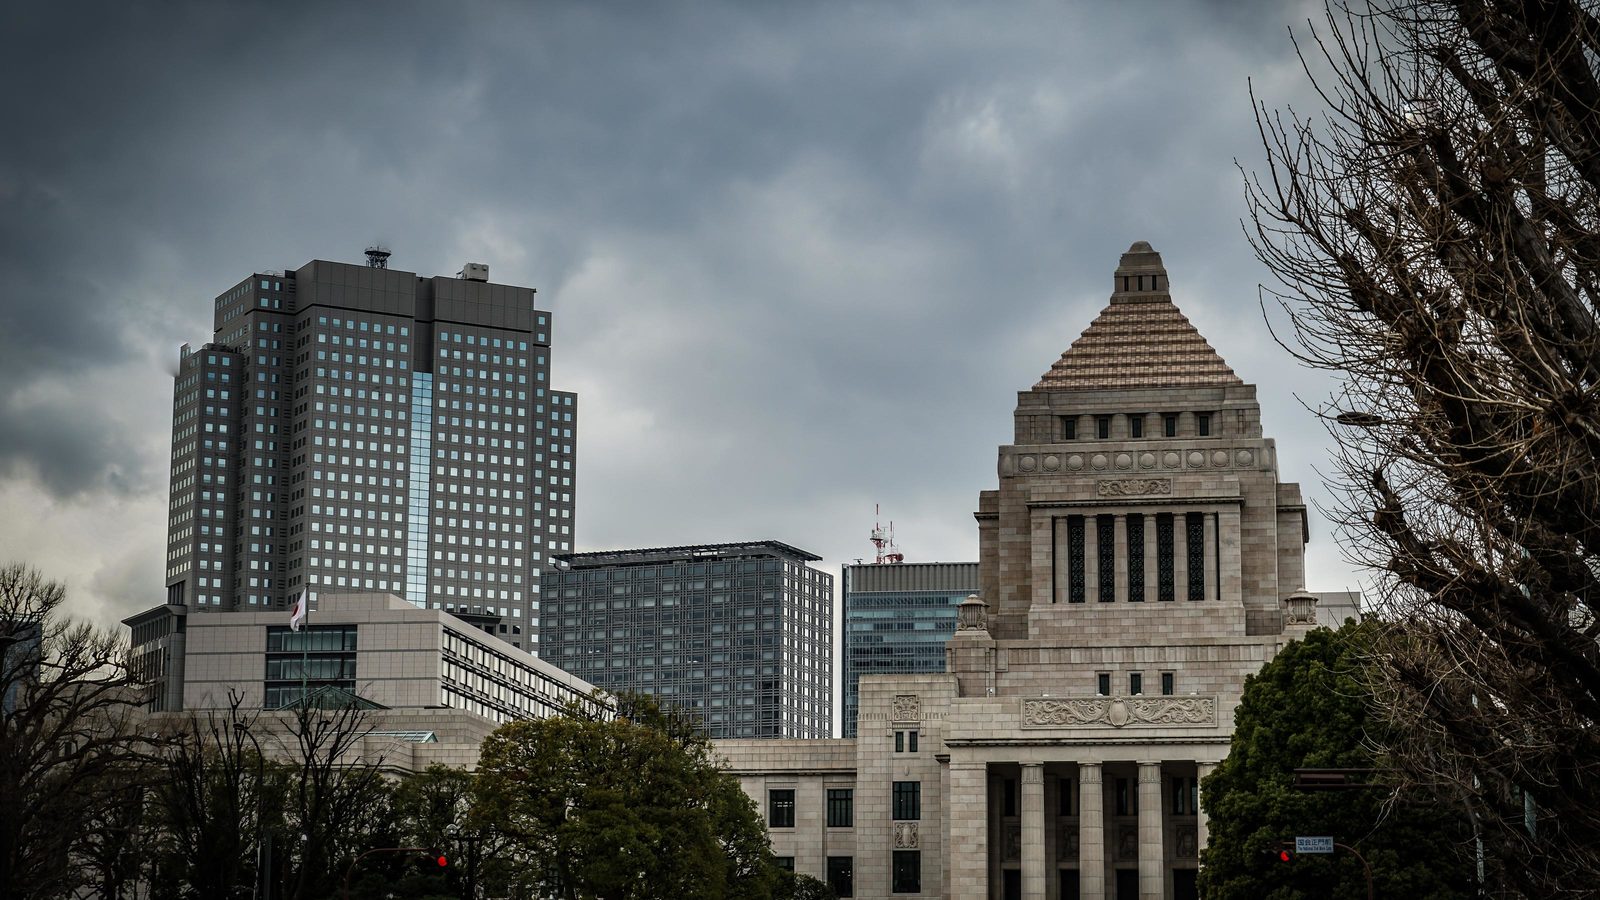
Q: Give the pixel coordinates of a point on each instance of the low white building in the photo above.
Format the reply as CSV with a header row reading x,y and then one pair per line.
x,y
434,684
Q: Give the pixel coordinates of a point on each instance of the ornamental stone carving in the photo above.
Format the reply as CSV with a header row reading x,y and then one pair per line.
x,y
1188,841
1300,608
1127,842
1119,712
905,835
972,614
1066,842
1133,487
905,708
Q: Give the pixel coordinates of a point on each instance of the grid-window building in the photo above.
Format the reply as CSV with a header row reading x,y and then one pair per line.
x,y
357,428
897,619
738,634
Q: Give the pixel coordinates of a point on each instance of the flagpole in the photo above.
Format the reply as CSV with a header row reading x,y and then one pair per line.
x,y
305,648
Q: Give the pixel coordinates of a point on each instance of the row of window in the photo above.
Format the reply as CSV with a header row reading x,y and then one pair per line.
x,y
905,805
906,801
907,872
1105,586
1183,796
1102,429
1102,683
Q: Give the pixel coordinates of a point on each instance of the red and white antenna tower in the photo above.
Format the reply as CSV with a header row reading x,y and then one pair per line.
x,y
883,539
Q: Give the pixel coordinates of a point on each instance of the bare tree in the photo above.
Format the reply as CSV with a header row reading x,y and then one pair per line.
x,y
1434,233
212,804
68,732
337,801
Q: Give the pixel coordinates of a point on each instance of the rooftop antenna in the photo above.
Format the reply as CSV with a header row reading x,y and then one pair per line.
x,y
377,257
883,539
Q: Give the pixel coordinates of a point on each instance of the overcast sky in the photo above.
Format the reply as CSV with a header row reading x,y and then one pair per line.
x,y
801,256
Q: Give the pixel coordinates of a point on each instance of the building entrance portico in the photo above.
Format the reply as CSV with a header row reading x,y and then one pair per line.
x,y
1088,828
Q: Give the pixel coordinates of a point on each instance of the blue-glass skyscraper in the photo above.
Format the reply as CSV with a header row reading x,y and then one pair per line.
x,y
898,617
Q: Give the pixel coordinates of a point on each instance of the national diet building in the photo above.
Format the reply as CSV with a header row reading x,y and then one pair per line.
x,y
1138,559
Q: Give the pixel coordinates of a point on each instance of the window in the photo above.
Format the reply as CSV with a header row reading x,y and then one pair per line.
x,y
1064,801
780,808
1202,424
841,807
1136,426
1165,589
907,872
1127,799
1106,549
1102,684
1008,801
1166,683
784,862
907,800
1102,427
842,875
905,741
1135,683
1075,567
1195,534
1184,799
1069,428
1169,425
1133,526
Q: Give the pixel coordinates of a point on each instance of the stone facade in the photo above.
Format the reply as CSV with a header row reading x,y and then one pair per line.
x,y
1138,559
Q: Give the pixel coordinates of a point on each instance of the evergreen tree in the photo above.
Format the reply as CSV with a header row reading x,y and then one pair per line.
x,y
1310,708
633,806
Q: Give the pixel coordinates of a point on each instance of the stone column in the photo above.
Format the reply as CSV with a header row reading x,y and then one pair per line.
x,y
1202,831
1032,811
1151,588
1091,833
969,829
944,832
1152,849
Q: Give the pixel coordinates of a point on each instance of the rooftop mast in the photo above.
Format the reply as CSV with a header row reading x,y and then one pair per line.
x,y
883,539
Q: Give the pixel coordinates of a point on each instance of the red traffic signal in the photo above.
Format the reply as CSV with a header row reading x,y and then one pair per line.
x,y
441,860
1283,856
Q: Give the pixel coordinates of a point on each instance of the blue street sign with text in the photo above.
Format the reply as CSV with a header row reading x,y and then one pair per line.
x,y
1313,845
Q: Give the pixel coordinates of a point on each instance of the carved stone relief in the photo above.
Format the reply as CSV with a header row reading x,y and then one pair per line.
x,y
1127,842
905,835
1013,841
1118,712
1187,839
1133,487
1066,842
905,708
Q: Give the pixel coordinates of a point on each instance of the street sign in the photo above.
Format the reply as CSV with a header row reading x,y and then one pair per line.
x,y
1313,844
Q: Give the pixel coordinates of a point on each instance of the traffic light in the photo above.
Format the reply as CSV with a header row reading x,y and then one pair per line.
x,y
441,859
1283,856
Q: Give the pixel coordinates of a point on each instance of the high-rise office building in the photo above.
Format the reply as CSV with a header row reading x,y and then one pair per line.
x,y
358,428
738,634
897,618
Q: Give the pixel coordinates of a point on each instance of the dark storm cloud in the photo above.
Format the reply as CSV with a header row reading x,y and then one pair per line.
x,y
801,256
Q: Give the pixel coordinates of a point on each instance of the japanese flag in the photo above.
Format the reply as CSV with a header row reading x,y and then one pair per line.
x,y
297,615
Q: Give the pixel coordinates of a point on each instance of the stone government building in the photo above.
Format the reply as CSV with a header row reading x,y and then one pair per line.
x,y
1139,558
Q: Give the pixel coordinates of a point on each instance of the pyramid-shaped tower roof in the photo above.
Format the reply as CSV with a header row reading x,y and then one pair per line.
x,y
1141,340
